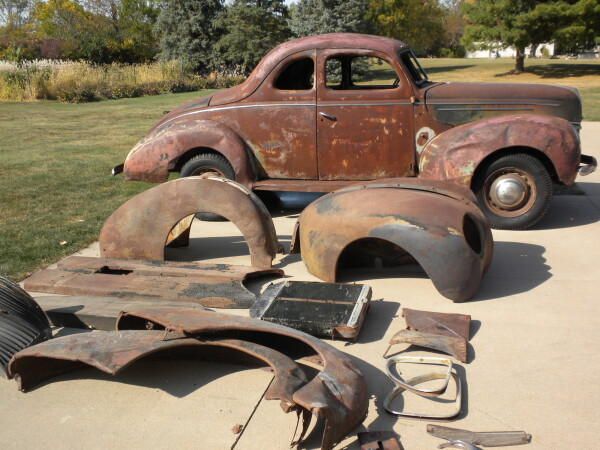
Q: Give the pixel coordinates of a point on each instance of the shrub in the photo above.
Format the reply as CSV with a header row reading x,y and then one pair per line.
x,y
75,82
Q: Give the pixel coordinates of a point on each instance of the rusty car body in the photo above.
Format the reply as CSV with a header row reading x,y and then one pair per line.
x,y
397,221
321,112
337,393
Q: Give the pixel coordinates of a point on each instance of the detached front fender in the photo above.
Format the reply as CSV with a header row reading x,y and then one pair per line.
x,y
456,153
155,155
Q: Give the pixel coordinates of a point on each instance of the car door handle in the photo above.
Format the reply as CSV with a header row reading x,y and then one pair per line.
x,y
327,116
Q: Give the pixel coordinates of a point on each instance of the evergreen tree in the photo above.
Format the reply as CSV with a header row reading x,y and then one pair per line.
x,y
187,31
250,29
309,17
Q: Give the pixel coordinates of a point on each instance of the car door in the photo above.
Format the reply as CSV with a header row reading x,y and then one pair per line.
x,y
277,121
365,116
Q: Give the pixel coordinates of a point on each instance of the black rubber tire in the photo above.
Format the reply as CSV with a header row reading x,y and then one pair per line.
x,y
203,164
537,200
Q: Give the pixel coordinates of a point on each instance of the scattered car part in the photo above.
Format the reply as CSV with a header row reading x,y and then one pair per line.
x,y
338,394
98,313
420,360
139,229
22,321
457,444
484,438
423,379
448,333
320,309
213,285
431,222
378,440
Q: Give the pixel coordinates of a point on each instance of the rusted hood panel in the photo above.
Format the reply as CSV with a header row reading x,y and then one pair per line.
x,y
456,103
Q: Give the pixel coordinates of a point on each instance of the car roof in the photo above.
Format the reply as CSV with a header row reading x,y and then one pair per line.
x,y
325,41
342,40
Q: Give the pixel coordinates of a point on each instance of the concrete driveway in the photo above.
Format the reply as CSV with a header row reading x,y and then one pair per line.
x,y
532,357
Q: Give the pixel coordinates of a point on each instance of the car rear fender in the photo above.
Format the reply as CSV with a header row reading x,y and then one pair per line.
x,y
159,153
455,154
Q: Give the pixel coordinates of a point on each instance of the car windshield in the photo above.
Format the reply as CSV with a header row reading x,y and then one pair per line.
x,y
411,63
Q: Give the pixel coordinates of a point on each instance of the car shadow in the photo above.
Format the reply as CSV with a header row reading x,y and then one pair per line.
x,y
567,211
516,268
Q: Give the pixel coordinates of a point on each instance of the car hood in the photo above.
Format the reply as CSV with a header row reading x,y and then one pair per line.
x,y
457,103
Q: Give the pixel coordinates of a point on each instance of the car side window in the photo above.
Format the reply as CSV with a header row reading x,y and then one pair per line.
x,y
359,72
297,76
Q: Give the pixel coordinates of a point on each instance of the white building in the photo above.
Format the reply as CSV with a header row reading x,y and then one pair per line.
x,y
511,52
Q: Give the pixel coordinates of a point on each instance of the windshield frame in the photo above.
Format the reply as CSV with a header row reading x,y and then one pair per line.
x,y
413,66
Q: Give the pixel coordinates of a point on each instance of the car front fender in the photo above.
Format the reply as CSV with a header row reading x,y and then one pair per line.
x,y
158,153
455,154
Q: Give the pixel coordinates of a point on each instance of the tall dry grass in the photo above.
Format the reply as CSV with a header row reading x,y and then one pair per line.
x,y
74,82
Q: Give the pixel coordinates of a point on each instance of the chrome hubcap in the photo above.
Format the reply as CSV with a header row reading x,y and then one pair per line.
x,y
508,191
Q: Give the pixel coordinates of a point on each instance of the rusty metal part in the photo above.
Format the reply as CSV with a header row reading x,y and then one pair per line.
x,y
320,309
484,438
378,440
448,333
139,228
338,394
397,220
154,156
423,379
455,154
22,321
113,351
98,313
213,285
439,390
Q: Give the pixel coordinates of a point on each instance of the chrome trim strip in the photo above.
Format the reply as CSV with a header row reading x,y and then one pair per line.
x,y
494,103
484,109
223,108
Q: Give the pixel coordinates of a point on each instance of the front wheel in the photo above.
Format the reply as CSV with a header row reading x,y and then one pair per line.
x,y
514,191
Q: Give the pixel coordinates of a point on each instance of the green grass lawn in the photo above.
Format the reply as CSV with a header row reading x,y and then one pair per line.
x,y
56,158
56,184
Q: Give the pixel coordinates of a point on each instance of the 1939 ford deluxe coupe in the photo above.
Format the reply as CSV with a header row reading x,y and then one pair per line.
x,y
322,112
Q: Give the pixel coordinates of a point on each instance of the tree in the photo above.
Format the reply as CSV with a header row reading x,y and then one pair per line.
x,y
251,29
416,22
187,32
13,13
309,17
524,23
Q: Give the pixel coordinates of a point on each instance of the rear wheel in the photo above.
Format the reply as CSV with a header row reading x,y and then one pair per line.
x,y
514,191
208,165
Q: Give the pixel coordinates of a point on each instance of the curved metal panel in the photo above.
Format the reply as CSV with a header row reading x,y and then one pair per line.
x,y
455,154
337,394
139,228
427,224
151,159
